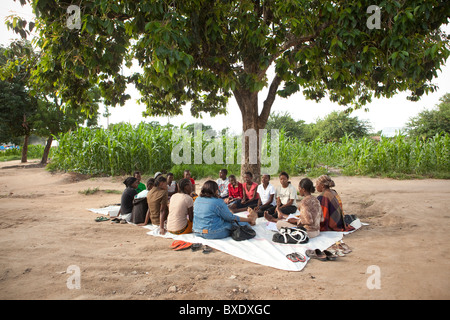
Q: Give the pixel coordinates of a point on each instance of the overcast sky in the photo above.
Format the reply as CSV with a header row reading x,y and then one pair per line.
x,y
383,113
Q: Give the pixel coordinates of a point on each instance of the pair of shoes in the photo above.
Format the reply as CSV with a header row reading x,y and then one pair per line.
x,y
344,248
179,245
336,251
325,255
296,257
316,254
100,219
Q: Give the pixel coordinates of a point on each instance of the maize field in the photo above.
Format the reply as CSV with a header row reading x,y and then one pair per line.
x,y
124,148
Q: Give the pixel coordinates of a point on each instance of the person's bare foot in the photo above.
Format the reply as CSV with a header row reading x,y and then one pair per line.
x,y
252,216
282,216
269,217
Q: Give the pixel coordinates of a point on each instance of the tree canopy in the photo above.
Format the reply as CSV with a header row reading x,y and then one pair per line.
x,y
203,52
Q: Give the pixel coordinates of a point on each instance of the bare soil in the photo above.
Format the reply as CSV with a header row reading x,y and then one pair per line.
x,y
46,227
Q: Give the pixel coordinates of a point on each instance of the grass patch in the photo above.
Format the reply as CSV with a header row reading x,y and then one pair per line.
x,y
89,191
10,158
112,191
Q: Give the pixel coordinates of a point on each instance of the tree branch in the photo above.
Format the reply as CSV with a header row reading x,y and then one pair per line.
x,y
267,106
292,41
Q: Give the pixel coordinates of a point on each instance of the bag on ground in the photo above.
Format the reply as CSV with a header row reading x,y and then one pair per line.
x,y
291,235
240,233
140,207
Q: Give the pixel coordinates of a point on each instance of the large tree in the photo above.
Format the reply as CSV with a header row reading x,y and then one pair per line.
x,y
203,52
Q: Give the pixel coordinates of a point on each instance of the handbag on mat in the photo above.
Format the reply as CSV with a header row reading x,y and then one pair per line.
x,y
240,233
291,235
140,207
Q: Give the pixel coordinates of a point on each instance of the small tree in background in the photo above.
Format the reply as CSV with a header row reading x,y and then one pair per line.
x,y
50,121
336,125
26,109
428,123
293,128
16,104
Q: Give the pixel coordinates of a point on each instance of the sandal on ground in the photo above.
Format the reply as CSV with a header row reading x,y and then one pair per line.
x,y
330,256
207,250
335,250
292,257
316,254
184,246
100,219
177,243
296,257
196,246
300,257
115,220
343,247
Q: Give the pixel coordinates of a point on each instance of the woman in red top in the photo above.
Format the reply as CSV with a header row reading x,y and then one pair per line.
x,y
250,195
235,191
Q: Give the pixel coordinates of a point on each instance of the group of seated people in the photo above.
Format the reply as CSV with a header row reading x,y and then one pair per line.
x,y
176,208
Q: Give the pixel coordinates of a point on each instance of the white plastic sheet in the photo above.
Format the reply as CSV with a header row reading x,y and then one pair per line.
x,y
261,249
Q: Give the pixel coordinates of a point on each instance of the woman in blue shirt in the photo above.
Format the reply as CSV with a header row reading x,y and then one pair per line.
x,y
212,217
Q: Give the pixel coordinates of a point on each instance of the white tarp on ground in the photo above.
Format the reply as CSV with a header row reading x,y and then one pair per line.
x,y
261,249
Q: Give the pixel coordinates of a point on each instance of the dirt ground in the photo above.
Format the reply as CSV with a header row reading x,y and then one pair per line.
x,y
46,227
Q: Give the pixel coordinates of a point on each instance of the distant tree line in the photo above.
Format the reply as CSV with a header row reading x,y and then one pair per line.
x,y
337,124
332,127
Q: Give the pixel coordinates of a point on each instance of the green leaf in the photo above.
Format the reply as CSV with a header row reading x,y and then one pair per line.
x,y
89,28
434,48
336,75
110,27
159,66
172,70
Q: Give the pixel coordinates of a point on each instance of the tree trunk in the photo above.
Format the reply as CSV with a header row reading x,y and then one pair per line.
x,y
25,140
47,150
25,149
250,161
252,122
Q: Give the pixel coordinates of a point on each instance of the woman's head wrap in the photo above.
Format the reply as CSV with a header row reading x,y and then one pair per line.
x,y
326,181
